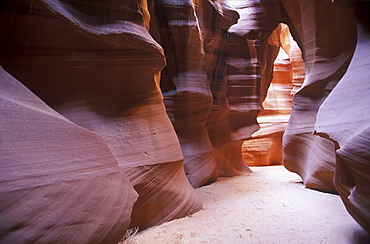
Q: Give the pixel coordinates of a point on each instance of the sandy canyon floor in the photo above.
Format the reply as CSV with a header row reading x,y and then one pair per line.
x,y
270,205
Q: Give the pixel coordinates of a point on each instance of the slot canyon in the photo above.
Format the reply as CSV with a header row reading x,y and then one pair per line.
x,y
119,115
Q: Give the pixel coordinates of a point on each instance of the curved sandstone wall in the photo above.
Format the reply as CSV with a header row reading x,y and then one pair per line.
x,y
344,118
265,146
112,112
55,175
100,67
184,85
211,100
326,61
239,94
327,138
104,121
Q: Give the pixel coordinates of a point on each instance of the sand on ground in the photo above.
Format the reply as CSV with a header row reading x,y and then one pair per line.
x,y
269,205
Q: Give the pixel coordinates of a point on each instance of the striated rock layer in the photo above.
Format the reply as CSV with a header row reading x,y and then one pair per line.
x,y
326,60
95,65
291,48
211,101
214,29
59,182
239,95
344,118
265,146
329,130
113,111
184,85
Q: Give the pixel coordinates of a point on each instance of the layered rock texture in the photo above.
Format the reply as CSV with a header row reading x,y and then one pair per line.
x,y
184,84
213,85
344,118
265,146
99,68
237,96
87,150
113,111
59,181
327,132
326,61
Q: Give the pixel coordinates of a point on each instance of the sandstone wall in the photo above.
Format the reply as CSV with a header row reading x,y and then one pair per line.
x,y
150,85
113,111
101,146
344,118
239,94
211,110
59,181
326,61
98,68
265,146
184,85
327,139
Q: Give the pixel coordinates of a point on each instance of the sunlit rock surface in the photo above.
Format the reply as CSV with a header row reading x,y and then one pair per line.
x,y
265,146
236,104
94,64
344,117
291,48
326,60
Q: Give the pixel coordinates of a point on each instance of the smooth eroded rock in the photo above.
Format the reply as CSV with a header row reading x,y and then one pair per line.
x,y
59,182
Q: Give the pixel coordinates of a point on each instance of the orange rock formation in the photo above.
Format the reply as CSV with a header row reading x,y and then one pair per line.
x,y
238,96
265,146
112,111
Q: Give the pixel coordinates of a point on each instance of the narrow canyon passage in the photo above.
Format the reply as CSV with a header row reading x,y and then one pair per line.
x,y
270,205
131,115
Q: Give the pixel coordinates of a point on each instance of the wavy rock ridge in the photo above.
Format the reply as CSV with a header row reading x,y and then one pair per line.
x,y
265,146
326,141
86,62
114,111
